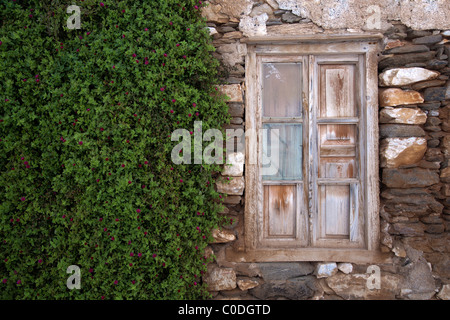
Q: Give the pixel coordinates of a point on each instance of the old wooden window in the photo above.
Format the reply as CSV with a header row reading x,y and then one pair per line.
x,y
316,96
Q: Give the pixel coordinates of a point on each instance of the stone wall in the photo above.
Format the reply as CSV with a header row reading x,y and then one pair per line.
x,y
414,100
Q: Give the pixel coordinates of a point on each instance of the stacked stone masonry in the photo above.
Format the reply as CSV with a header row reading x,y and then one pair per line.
x,y
414,132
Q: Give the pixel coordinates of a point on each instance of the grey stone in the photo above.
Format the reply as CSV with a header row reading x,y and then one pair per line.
x,y
419,283
407,229
220,278
444,293
294,289
345,267
289,17
431,39
409,49
326,269
427,84
225,29
409,178
279,12
273,22
401,60
434,94
436,64
412,34
429,106
236,109
400,130
284,270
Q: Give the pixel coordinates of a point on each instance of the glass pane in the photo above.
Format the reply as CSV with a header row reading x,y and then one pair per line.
x,y
282,151
282,89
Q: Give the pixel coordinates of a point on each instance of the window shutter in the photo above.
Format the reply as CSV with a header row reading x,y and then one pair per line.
x,y
337,114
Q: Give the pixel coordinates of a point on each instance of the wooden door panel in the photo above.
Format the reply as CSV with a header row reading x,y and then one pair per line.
x,y
337,90
280,211
335,211
337,168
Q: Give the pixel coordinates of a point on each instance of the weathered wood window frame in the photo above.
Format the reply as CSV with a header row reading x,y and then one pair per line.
x,y
305,240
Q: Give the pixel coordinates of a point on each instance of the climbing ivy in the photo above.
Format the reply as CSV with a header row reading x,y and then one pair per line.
x,y
86,175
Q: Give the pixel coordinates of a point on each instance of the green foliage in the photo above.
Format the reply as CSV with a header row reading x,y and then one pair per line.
x,y
86,176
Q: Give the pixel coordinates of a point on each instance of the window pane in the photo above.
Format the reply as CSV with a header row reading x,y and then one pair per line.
x,y
282,93
282,151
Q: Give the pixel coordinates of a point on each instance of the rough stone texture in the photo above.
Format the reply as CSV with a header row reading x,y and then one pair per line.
x,y
345,267
218,279
396,152
402,60
405,76
282,270
394,97
357,14
409,178
234,165
294,29
233,91
223,236
234,186
402,115
247,283
232,54
427,84
434,94
445,175
400,130
228,8
444,294
254,26
408,49
419,283
431,39
354,286
301,288
326,269
407,229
